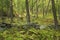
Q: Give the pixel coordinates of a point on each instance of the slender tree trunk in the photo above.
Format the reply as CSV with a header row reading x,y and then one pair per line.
x,y
37,8
43,8
58,8
43,12
3,19
54,14
59,11
32,6
47,7
27,10
11,10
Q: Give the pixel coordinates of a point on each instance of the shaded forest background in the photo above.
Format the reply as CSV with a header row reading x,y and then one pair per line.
x,y
30,19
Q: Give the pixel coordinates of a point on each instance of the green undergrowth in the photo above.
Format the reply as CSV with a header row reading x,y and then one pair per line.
x,y
16,33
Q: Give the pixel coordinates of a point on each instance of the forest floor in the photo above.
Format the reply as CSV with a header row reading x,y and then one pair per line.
x,y
18,33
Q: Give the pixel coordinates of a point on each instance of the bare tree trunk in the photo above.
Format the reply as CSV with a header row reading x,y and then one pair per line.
x,y
58,8
47,7
43,12
32,6
43,8
3,19
11,10
27,10
59,11
37,8
54,14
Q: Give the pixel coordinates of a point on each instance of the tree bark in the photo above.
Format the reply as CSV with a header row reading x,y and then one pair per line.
x,y
11,10
32,6
54,13
47,7
37,8
27,10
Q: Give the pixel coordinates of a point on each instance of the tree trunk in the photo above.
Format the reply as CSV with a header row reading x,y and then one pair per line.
x,y
32,6
54,13
27,10
11,10
58,9
43,8
47,7
3,19
37,8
